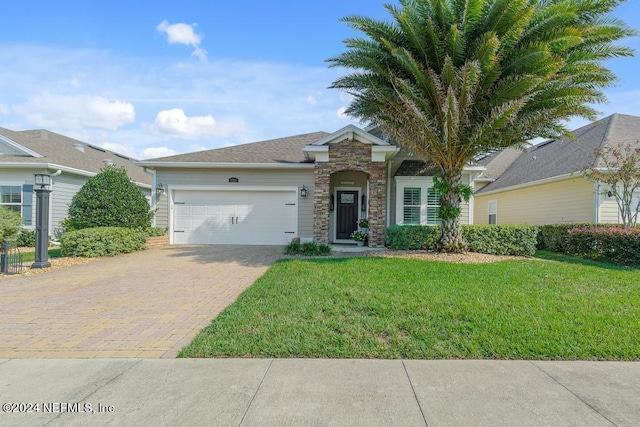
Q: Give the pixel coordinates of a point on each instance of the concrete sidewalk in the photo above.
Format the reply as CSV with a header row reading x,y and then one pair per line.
x,y
276,392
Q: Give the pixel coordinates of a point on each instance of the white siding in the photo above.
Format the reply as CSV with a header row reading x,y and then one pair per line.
x,y
64,187
273,177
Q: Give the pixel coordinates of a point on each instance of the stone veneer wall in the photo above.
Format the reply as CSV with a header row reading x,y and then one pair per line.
x,y
349,155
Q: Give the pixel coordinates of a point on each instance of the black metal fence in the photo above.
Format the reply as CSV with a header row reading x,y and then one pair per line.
x,y
10,259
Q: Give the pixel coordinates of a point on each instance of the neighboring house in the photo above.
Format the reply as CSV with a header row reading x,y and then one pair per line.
x,y
545,184
313,186
69,161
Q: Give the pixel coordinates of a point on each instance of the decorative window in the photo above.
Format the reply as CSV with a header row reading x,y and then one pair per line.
x,y
493,211
433,204
417,202
18,198
411,206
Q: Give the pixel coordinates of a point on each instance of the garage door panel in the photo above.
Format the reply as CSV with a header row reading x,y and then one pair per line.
x,y
235,217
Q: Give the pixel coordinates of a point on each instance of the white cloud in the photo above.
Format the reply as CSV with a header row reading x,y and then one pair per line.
x,y
126,150
64,111
4,109
153,152
257,101
311,100
183,34
176,123
341,113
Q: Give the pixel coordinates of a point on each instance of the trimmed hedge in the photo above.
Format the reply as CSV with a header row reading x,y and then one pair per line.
x,y
307,248
101,241
157,231
555,237
501,239
495,239
412,237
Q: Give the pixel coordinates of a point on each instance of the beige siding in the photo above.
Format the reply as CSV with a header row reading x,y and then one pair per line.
x,y
268,178
609,210
572,200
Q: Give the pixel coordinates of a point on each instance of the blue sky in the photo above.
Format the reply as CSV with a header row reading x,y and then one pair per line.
x,y
150,79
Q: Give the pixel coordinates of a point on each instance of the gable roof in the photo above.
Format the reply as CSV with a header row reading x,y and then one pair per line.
x,y
351,132
562,157
33,147
497,163
274,151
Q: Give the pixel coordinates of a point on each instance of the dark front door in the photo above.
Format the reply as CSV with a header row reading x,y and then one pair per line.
x,y
347,210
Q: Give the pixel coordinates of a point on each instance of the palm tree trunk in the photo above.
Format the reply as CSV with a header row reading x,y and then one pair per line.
x,y
450,201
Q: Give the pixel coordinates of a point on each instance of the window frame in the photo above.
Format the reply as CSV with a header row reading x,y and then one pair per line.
x,y
27,217
492,212
424,184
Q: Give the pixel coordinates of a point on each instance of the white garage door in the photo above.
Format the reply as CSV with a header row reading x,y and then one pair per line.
x,y
234,217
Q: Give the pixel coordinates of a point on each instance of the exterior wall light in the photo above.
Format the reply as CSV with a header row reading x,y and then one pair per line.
x,y
303,191
43,180
159,190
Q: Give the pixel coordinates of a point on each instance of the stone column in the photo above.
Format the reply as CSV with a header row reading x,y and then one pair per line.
x,y
321,195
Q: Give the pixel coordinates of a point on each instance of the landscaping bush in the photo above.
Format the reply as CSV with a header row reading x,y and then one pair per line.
x,y
157,231
501,239
489,239
555,237
26,238
109,199
10,223
101,241
308,249
412,237
614,244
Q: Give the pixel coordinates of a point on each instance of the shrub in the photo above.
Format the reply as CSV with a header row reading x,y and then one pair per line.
x,y
555,237
412,237
615,244
101,241
157,231
10,224
109,199
26,238
501,239
308,249
489,239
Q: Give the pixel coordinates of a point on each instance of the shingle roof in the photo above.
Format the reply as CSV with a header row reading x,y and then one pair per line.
x,y
563,156
416,168
281,150
497,163
59,149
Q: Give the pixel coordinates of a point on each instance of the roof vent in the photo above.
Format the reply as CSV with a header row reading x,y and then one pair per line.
x,y
79,147
108,162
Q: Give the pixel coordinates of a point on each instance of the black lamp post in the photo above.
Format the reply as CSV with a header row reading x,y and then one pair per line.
x,y
42,189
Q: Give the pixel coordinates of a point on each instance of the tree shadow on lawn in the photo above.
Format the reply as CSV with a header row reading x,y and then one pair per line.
x,y
569,259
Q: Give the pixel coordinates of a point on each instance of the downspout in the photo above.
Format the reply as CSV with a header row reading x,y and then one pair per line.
x,y
56,173
597,186
388,216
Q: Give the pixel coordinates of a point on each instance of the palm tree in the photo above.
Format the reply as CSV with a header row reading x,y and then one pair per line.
x,y
449,79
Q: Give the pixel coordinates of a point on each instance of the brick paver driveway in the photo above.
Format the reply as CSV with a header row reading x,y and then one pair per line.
x,y
145,304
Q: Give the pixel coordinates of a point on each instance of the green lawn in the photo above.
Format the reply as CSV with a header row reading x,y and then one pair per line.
x,y
392,308
28,256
